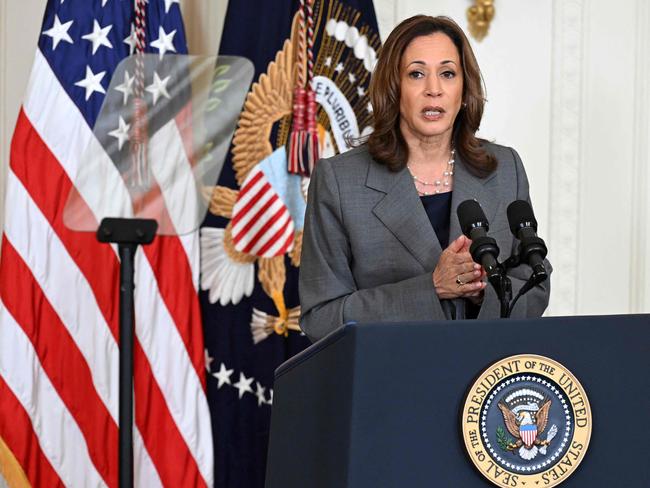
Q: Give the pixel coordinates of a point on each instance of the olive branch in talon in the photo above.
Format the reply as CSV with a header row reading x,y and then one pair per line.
x,y
505,442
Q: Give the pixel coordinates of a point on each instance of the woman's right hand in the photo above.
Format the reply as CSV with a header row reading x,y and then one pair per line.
x,y
456,265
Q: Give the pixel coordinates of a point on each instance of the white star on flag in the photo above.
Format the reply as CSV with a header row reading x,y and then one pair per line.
x,y
369,108
260,393
352,78
339,67
168,4
99,36
223,376
158,87
59,32
165,42
121,133
92,82
131,40
328,61
270,401
244,384
127,86
360,91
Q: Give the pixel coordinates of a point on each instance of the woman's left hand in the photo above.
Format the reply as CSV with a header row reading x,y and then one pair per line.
x,y
456,275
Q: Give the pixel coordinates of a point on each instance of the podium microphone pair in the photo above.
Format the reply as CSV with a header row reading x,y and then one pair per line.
x,y
484,249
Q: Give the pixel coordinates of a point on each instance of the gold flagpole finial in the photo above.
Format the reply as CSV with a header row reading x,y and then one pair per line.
x,y
479,16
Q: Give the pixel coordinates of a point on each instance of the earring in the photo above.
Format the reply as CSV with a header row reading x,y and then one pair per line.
x,y
464,104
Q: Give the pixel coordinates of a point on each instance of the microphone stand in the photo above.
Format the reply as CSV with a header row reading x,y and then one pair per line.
x,y
535,279
503,287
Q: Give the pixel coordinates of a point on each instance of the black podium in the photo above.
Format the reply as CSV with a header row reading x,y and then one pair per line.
x,y
379,405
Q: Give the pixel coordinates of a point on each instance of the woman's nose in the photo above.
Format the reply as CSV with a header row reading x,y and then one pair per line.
x,y
433,88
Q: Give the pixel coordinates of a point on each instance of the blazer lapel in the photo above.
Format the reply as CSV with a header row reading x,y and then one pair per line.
x,y
402,212
470,187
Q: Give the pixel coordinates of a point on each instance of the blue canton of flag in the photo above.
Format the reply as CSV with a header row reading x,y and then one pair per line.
x,y
86,40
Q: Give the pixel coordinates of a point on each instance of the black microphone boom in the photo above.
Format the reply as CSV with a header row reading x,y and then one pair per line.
x,y
484,249
532,249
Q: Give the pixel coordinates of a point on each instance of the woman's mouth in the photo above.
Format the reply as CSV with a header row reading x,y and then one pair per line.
x,y
433,113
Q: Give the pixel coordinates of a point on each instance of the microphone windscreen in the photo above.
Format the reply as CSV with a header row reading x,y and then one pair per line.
x,y
471,215
520,214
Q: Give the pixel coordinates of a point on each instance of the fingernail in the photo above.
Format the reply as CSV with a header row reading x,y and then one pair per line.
x,y
477,272
477,266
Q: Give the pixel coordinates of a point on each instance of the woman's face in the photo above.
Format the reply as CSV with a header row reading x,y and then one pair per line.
x,y
431,86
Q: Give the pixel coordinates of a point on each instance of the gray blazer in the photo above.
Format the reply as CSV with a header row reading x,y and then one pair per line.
x,y
369,249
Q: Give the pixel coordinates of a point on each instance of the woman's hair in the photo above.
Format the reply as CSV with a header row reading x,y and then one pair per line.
x,y
386,144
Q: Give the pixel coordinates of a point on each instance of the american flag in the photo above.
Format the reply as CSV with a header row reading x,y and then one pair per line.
x,y
59,288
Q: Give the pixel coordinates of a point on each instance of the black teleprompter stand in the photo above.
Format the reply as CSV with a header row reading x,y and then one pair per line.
x,y
128,234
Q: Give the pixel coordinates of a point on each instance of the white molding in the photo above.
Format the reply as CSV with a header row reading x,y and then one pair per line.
x,y
566,151
640,214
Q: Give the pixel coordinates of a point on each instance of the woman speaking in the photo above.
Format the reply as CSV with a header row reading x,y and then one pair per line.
x,y
381,240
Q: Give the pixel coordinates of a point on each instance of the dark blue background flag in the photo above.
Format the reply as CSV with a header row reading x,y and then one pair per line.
x,y
251,239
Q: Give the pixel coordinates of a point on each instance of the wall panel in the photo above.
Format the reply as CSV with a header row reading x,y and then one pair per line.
x,y
606,166
639,268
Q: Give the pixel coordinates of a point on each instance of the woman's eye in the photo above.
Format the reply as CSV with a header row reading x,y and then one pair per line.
x,y
416,74
448,74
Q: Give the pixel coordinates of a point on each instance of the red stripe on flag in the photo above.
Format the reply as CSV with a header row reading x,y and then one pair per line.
x,y
257,175
288,242
239,213
61,360
270,242
255,219
175,465
174,276
18,433
48,185
274,218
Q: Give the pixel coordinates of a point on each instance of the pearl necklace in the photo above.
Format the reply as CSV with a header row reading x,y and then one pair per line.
x,y
438,184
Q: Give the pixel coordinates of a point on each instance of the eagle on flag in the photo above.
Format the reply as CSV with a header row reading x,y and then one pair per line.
x,y
267,212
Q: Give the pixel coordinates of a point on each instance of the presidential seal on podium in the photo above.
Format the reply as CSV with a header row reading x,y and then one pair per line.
x,y
526,421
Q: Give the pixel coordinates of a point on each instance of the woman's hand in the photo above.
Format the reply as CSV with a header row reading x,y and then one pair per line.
x,y
457,275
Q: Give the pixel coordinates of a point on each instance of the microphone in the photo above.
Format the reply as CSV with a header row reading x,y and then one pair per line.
x,y
532,249
484,249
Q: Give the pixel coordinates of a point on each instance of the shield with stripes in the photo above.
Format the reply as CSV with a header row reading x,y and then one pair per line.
x,y
261,223
528,434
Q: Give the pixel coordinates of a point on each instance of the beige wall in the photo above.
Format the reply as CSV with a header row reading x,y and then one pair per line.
x,y
568,87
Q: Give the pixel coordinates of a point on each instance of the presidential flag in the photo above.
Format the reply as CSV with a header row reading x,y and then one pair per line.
x,y
59,288
313,61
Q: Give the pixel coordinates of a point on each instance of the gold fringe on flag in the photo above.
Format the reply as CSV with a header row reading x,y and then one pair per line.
x,y
10,468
